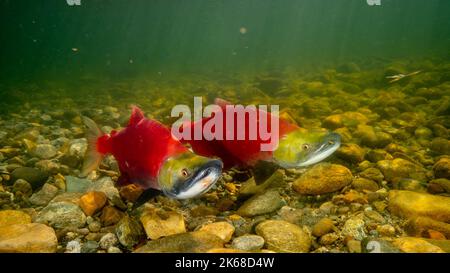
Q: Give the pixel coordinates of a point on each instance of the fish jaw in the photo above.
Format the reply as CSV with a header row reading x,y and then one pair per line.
x,y
302,148
188,175
329,145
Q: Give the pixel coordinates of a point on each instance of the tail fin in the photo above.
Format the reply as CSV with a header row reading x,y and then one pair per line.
x,y
92,157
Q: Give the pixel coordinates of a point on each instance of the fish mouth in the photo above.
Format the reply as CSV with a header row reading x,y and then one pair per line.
x,y
330,143
199,182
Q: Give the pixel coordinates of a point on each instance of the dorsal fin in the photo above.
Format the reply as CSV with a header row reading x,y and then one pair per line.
x,y
136,116
221,102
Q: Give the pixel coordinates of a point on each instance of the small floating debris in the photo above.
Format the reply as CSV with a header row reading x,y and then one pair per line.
x,y
398,77
74,49
243,30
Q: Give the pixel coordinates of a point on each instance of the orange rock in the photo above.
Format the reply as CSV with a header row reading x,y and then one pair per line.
x,y
436,235
130,192
350,197
224,204
92,202
355,197
231,187
110,216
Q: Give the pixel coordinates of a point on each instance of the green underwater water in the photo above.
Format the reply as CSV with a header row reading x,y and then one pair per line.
x,y
52,47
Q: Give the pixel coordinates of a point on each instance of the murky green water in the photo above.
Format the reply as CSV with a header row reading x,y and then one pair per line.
x,y
46,42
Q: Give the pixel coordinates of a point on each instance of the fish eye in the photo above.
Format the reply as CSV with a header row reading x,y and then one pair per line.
x,y
305,147
184,173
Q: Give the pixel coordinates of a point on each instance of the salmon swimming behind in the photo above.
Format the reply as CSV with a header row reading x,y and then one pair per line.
x,y
297,147
148,156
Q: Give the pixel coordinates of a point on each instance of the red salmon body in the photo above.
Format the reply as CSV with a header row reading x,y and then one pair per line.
x,y
140,149
238,152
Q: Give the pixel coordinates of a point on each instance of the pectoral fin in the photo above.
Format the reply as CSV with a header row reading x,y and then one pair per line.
x,y
262,170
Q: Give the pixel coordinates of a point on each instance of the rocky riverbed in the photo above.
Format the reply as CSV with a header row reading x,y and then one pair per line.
x,y
387,189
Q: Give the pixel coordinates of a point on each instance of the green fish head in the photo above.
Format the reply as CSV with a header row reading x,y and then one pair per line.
x,y
188,175
302,148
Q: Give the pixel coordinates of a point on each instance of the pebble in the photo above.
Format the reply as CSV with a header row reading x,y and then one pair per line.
x,y
71,161
386,230
351,152
45,151
114,249
372,174
190,242
35,177
203,210
223,230
263,203
92,202
225,250
410,204
78,147
248,242
128,232
108,240
442,168
324,226
89,247
354,227
13,217
73,198
328,207
375,216
328,239
423,132
48,166
439,185
354,246
440,146
380,206
344,119
282,236
323,178
44,195
75,184
130,192
409,185
361,184
28,238
73,247
105,185
418,226
435,235
110,216
94,226
23,187
401,168
368,136
343,210
415,245
62,215
160,223
290,214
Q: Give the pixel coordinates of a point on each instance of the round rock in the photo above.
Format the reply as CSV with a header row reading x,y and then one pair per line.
x,y
263,203
282,236
35,177
248,242
323,178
